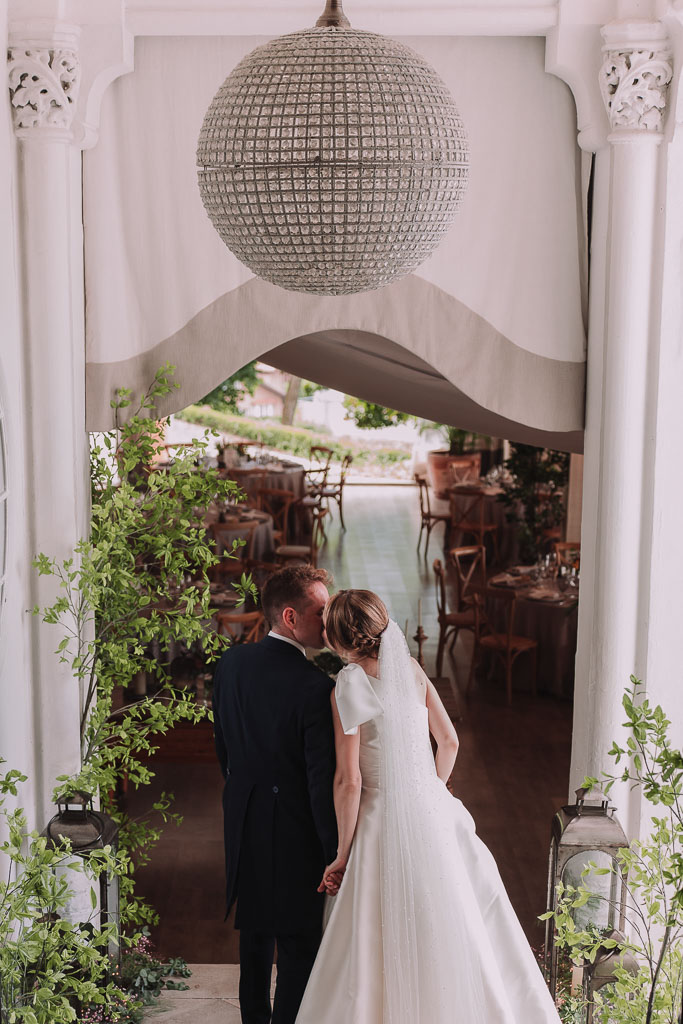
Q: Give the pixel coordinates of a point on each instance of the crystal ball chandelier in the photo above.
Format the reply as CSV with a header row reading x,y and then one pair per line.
x,y
332,161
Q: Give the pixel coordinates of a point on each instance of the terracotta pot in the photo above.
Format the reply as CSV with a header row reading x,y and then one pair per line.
x,y
441,469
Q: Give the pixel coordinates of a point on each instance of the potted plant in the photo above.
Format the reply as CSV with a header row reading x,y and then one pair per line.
x,y
648,971
461,443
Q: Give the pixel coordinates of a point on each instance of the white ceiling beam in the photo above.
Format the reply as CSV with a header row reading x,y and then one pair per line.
x,y
438,17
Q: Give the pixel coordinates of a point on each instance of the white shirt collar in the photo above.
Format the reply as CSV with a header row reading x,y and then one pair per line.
x,y
288,640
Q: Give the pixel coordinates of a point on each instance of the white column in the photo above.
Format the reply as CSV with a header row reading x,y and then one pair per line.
x,y
616,528
44,79
664,671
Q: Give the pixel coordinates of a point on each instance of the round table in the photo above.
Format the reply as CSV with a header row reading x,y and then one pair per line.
x,y
264,542
549,616
251,476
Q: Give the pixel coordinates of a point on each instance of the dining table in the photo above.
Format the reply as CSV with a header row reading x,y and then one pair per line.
x,y
494,512
235,519
546,610
276,474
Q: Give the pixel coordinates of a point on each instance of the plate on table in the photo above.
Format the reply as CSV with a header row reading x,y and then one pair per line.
x,y
503,579
548,596
506,579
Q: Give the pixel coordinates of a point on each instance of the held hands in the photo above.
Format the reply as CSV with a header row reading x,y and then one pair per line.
x,y
332,876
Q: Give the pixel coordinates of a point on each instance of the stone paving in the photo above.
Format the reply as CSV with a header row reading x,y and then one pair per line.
x,y
210,999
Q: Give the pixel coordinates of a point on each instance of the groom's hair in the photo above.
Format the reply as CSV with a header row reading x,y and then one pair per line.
x,y
288,588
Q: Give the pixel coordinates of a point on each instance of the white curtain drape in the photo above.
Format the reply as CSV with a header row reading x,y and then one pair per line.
x,y
495,315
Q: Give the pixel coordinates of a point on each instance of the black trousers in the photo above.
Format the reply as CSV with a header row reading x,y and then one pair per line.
x,y
295,957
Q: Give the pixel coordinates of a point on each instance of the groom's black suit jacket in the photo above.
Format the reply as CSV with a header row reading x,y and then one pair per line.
x,y
275,744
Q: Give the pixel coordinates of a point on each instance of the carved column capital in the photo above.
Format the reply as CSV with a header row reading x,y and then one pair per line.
x,y
634,78
44,80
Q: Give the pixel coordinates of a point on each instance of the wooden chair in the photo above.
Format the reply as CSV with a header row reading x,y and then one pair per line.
x,y
242,627
450,623
306,553
507,645
428,519
316,476
224,534
276,501
248,480
469,563
464,469
568,553
335,491
468,517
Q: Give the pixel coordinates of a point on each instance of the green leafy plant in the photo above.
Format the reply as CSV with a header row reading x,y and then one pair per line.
x,y
459,441
49,966
369,416
145,975
535,497
652,991
135,586
226,395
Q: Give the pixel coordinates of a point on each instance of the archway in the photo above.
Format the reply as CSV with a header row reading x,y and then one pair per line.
x,y
410,345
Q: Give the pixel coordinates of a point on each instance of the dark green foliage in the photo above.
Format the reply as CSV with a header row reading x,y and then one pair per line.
x,y
536,496
225,397
145,975
369,416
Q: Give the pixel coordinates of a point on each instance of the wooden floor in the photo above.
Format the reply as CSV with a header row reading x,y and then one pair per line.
x,y
512,770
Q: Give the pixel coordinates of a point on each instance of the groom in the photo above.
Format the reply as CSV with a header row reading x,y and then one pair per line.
x,y
275,744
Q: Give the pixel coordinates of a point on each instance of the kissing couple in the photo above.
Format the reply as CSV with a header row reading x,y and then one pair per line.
x,y
343,845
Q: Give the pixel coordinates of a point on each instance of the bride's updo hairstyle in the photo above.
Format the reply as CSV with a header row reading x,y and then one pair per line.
x,y
355,621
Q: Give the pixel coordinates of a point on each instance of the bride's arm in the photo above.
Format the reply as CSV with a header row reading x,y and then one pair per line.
x,y
441,728
347,786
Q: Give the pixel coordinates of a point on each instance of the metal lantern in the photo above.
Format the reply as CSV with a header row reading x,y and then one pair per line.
x,y
583,832
603,971
87,830
332,160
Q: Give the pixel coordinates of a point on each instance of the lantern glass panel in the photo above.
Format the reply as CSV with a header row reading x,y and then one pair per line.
x,y
600,999
599,912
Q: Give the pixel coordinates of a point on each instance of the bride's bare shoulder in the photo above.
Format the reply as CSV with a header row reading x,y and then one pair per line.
x,y
420,677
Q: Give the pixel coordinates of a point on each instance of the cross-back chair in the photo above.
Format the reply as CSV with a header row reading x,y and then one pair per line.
x,y
469,565
450,622
335,491
306,553
464,469
506,645
242,627
428,519
224,534
568,552
276,501
248,480
468,517
316,476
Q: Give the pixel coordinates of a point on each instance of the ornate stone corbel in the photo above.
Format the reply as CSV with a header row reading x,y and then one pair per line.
x,y
634,80
43,87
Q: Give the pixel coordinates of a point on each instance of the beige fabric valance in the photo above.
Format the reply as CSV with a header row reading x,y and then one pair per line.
x,y
489,331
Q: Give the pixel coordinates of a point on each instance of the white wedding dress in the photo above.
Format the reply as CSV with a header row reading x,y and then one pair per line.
x,y
421,931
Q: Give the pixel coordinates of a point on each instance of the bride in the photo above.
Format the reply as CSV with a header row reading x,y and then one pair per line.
x,y
419,929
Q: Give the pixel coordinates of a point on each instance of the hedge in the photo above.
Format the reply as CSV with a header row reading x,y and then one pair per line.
x,y
296,440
